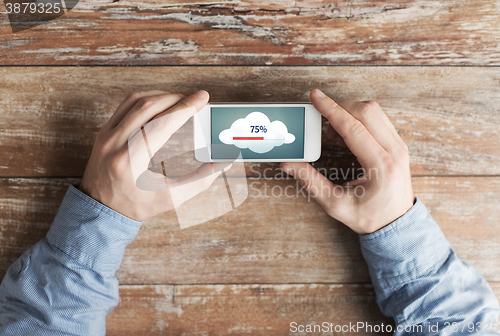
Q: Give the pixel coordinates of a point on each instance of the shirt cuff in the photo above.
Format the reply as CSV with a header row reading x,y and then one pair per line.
x,y
410,247
90,232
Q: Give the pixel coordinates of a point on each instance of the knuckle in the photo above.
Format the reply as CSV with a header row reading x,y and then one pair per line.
x,y
159,123
303,179
372,103
146,103
307,184
356,128
369,108
330,106
182,104
135,95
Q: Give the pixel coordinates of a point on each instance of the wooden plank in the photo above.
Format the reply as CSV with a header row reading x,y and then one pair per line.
x,y
244,309
266,239
414,32
241,309
450,117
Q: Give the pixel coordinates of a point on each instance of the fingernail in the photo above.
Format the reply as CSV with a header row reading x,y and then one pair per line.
x,y
318,93
287,169
201,94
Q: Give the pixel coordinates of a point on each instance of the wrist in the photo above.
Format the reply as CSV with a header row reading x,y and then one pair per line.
x,y
405,210
393,252
91,233
109,202
87,190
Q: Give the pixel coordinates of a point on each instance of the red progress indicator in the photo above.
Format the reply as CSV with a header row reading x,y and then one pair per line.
x,y
248,138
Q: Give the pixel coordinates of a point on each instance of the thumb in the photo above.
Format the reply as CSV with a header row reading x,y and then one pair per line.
x,y
318,186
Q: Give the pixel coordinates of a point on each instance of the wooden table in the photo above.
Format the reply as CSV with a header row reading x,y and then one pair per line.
x,y
432,65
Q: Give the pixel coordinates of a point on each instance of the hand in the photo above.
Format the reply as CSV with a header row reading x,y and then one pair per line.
x,y
385,192
112,171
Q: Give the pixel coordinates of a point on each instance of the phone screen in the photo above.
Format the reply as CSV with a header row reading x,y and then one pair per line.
x,y
265,132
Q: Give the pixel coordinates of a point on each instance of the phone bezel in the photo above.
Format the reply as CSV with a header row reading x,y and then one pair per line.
x,y
312,132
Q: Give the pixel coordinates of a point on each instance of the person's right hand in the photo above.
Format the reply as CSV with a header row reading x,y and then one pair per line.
x,y
385,192
122,152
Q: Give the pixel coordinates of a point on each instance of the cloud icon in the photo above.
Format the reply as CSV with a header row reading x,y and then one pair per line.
x,y
257,133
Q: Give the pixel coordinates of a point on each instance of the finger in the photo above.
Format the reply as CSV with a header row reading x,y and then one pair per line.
x,y
145,141
384,116
197,100
159,130
129,101
190,185
391,126
361,143
375,121
151,181
143,111
318,186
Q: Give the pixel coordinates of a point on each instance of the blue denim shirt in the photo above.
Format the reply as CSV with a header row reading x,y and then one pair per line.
x,y
65,284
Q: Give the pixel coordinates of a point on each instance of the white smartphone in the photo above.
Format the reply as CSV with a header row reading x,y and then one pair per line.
x,y
257,133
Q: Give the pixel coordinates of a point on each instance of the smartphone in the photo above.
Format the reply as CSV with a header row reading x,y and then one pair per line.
x,y
257,133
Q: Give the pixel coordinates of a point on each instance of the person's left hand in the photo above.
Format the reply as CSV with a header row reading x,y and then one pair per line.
x,y
113,168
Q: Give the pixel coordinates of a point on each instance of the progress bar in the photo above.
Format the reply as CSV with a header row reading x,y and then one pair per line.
x,y
248,138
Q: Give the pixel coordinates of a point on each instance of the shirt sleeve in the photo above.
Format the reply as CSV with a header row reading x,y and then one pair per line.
x,y
422,284
65,284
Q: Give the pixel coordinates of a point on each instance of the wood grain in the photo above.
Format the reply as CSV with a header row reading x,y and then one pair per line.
x,y
275,259
240,309
267,239
450,117
313,32
28,207
243,309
